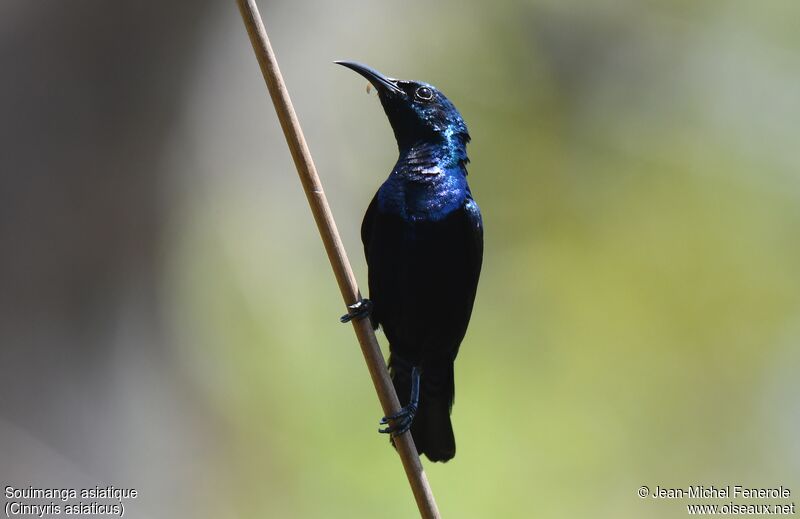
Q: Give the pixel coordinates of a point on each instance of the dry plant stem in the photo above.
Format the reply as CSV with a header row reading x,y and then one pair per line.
x,y
335,249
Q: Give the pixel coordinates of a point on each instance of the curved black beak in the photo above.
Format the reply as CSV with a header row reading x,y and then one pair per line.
x,y
378,80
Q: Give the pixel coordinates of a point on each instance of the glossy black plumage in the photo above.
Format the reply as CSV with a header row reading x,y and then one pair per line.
x,y
423,240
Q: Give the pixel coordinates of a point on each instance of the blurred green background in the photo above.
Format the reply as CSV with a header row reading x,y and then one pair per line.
x,y
169,320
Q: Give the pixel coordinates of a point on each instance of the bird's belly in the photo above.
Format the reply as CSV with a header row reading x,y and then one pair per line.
x,y
424,303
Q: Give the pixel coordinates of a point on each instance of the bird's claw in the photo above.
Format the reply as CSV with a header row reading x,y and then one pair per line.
x,y
402,421
358,310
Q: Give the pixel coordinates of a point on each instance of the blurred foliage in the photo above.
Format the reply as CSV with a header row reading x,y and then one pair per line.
x,y
639,312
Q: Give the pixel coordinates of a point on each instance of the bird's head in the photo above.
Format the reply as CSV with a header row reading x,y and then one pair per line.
x,y
417,111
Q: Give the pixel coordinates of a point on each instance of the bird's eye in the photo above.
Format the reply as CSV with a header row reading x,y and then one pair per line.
x,y
424,93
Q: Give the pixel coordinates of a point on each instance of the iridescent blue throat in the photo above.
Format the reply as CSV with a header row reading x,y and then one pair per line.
x,y
429,180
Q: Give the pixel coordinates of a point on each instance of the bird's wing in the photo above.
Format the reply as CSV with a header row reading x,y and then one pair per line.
x,y
471,261
475,223
367,231
367,226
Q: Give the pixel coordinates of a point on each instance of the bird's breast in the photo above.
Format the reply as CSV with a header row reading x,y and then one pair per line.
x,y
423,197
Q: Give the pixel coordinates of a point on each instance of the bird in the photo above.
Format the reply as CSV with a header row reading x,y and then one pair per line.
x,y
423,241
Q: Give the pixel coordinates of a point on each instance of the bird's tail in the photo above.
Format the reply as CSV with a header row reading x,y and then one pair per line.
x,y
431,428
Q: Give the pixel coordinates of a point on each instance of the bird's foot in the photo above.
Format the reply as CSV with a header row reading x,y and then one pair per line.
x,y
358,310
402,419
